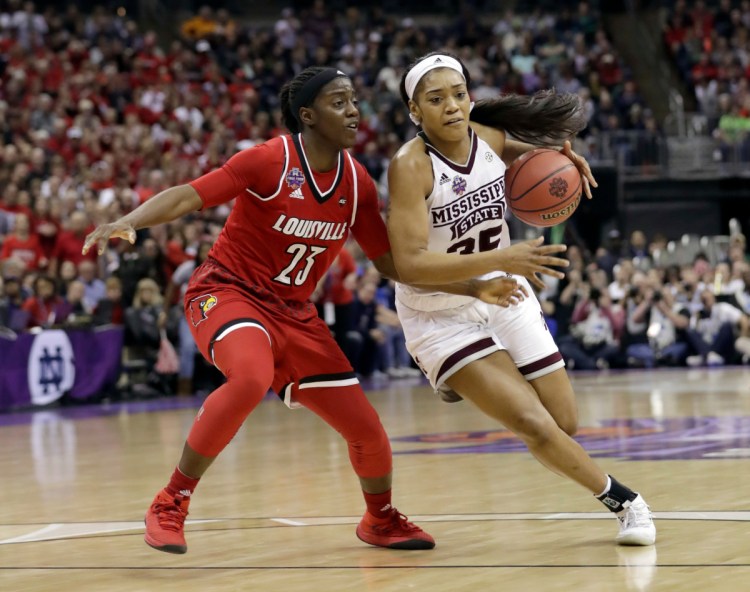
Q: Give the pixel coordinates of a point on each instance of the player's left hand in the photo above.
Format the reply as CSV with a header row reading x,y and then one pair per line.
x,y
500,291
583,168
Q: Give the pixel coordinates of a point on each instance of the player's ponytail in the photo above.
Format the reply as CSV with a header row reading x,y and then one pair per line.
x,y
545,117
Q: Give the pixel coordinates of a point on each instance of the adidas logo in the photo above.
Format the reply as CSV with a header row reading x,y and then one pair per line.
x,y
185,492
437,61
444,179
297,193
386,507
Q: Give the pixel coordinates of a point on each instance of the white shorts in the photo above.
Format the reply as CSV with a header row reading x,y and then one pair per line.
x,y
444,341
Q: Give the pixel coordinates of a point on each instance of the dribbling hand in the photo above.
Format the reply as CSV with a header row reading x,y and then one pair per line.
x,y
501,291
101,235
532,258
583,167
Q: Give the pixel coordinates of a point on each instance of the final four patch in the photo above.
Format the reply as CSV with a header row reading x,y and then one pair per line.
x,y
459,185
295,179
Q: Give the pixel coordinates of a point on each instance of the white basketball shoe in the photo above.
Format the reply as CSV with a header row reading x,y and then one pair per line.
x,y
636,524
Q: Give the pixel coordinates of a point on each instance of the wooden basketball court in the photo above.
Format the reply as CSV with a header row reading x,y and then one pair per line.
x,y
277,510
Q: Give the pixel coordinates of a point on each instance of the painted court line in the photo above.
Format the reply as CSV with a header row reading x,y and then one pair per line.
x,y
79,529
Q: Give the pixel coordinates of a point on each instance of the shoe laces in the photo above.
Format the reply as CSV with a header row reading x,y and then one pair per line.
x,y
170,513
397,523
636,515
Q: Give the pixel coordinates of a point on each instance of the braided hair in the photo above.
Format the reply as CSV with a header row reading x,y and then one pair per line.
x,y
287,93
544,118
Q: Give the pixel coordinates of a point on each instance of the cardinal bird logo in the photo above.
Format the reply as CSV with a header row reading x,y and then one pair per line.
x,y
200,307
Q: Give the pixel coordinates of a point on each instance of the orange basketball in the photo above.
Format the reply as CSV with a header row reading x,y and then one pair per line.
x,y
543,187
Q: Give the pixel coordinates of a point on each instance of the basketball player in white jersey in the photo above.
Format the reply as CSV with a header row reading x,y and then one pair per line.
x,y
445,224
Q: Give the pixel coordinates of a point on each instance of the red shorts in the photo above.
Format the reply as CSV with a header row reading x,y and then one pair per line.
x,y
305,354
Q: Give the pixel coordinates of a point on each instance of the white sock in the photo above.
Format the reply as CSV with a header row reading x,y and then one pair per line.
x,y
606,487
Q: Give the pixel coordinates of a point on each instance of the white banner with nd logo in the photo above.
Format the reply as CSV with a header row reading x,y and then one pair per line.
x,y
51,369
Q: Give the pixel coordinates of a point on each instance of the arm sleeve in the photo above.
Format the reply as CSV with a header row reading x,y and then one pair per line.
x,y
248,169
369,228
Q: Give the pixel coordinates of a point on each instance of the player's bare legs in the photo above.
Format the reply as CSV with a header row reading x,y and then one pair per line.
x,y
495,386
556,394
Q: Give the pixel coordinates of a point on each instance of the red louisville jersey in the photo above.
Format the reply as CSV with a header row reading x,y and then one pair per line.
x,y
288,223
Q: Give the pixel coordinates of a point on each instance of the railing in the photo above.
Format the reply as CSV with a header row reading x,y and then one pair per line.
x,y
643,154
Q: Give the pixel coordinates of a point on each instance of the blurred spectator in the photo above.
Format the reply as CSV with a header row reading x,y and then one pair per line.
x,y
145,317
592,342
144,260
77,313
94,288
70,243
365,337
12,314
201,25
68,273
110,310
46,225
637,246
395,360
45,307
335,304
187,349
666,338
619,287
714,330
23,245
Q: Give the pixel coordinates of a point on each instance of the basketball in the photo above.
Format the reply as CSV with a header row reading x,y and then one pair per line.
x,y
543,187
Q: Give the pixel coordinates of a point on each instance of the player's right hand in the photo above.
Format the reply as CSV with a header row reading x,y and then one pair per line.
x,y
103,233
531,259
500,291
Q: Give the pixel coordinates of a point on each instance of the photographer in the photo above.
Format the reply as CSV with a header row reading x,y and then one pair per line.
x,y
593,339
714,331
665,339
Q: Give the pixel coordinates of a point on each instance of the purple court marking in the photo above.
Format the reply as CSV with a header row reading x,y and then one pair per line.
x,y
105,409
678,438
88,411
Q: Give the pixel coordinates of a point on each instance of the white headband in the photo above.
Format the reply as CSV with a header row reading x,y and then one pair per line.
x,y
418,71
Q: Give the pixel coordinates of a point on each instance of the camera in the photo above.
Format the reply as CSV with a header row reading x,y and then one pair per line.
x,y
657,295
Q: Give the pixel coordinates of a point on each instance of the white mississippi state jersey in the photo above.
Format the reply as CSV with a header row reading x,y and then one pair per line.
x,y
466,209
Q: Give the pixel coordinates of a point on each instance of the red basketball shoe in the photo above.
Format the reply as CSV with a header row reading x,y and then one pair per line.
x,y
394,532
165,522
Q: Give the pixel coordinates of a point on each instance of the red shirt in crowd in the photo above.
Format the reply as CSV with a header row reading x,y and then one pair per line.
x,y
29,250
336,289
69,246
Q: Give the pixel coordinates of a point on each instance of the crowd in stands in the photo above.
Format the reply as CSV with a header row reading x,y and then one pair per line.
x,y
96,117
618,307
710,43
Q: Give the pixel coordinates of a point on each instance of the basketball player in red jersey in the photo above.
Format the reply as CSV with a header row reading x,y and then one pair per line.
x,y
297,198
446,224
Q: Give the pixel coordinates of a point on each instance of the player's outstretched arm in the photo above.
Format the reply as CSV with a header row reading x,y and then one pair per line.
x,y
501,291
166,206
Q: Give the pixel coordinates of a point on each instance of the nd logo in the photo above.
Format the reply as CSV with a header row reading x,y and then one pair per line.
x,y
51,369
